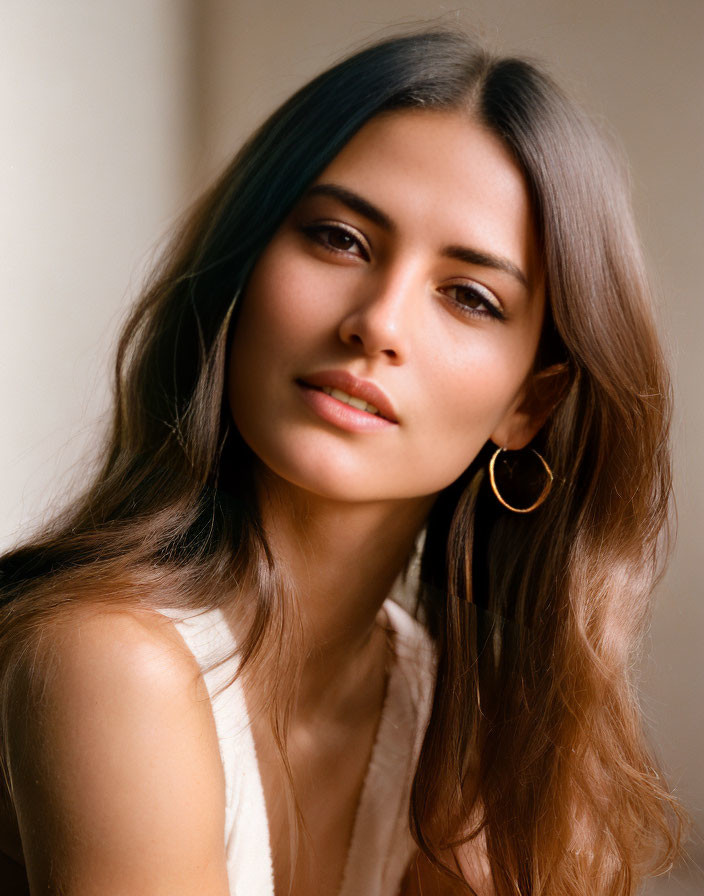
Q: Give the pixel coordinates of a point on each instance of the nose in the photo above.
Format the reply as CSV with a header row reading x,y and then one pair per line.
x,y
383,317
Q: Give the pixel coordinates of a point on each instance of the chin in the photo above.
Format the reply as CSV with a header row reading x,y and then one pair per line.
x,y
328,479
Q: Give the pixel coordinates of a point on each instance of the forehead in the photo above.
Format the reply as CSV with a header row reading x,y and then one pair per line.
x,y
441,174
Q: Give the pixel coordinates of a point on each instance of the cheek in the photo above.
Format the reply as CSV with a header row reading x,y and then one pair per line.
x,y
474,389
277,311
279,327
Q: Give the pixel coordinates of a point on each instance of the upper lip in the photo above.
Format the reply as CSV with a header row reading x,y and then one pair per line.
x,y
352,385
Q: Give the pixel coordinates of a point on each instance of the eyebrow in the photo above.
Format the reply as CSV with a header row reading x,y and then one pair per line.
x,y
363,207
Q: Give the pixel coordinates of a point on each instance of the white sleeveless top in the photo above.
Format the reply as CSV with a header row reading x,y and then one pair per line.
x,y
381,846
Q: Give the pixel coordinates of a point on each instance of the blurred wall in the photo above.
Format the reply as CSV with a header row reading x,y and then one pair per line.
x,y
115,114
95,110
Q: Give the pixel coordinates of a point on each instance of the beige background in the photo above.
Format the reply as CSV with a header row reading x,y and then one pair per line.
x,y
114,114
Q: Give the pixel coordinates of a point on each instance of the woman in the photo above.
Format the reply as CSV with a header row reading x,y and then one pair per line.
x,y
410,318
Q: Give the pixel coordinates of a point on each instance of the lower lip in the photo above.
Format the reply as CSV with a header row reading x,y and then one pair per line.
x,y
340,414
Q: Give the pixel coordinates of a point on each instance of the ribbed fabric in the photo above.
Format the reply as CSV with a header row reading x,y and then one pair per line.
x,y
381,845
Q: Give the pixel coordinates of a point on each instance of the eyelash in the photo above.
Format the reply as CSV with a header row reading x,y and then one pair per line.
x,y
316,231
490,309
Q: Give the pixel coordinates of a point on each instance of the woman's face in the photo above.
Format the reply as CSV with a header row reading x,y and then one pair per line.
x,y
406,277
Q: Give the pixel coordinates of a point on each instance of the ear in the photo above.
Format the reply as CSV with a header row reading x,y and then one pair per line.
x,y
542,393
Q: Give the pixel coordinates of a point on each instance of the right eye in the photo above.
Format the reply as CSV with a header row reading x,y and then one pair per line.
x,y
338,239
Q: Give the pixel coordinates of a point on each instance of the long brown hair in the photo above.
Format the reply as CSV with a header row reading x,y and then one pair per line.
x,y
534,744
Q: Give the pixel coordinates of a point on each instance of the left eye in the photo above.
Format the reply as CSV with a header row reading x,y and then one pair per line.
x,y
473,300
337,239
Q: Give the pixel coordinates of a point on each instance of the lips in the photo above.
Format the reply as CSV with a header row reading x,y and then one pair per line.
x,y
357,388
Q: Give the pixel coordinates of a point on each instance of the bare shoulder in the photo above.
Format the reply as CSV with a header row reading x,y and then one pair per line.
x,y
103,637
99,664
118,784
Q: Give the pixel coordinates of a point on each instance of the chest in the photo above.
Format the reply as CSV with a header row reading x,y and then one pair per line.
x,y
329,765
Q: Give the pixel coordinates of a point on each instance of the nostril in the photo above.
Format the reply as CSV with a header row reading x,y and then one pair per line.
x,y
373,336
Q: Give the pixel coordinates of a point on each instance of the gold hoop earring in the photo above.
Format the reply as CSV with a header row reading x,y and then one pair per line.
x,y
541,497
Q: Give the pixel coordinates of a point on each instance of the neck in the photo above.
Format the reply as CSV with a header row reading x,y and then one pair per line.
x,y
342,560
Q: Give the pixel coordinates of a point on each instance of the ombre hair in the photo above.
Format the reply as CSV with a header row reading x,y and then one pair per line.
x,y
535,748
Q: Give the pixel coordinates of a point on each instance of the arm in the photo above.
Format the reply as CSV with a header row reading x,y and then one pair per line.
x,y
118,782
